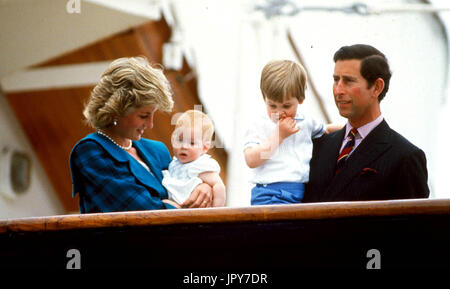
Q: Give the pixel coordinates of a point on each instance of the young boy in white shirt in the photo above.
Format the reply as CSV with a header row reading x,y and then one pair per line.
x,y
278,144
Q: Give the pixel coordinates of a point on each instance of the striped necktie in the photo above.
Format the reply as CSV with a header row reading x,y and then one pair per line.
x,y
346,150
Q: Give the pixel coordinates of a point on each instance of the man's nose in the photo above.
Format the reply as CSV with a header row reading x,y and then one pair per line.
x,y
338,88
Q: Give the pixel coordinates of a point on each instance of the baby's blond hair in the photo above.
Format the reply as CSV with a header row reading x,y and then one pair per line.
x,y
196,119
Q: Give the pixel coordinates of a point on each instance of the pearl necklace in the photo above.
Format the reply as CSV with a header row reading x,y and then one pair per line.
x,y
108,137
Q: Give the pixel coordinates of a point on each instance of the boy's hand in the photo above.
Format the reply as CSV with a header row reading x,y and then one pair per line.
x,y
287,126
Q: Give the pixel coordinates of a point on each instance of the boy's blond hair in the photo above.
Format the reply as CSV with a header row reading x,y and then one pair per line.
x,y
283,78
196,119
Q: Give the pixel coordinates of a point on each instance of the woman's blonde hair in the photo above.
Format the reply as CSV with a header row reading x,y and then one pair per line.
x,y
283,78
127,84
196,119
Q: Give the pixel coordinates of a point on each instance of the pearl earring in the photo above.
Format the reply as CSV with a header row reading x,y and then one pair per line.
x,y
115,122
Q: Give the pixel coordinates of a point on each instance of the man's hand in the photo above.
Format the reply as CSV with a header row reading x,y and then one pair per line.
x,y
287,126
201,197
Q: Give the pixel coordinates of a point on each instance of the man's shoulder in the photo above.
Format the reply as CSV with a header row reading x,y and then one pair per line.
x,y
400,143
329,137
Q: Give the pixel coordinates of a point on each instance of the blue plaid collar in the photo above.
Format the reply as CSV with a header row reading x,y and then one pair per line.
x,y
116,152
122,156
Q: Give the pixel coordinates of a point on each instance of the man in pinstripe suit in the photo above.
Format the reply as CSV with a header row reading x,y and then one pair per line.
x,y
376,163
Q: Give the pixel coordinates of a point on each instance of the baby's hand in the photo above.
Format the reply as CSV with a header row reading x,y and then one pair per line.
x,y
287,126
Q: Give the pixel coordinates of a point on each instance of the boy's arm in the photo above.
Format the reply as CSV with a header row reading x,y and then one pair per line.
x,y
213,179
259,154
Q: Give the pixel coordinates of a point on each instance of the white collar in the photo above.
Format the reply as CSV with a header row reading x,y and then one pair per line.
x,y
365,129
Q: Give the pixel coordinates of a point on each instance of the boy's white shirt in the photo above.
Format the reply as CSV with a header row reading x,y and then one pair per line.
x,y
181,179
290,162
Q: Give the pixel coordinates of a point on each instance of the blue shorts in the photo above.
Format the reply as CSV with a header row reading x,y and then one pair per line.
x,y
277,193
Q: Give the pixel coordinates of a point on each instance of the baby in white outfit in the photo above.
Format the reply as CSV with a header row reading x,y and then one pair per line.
x,y
191,165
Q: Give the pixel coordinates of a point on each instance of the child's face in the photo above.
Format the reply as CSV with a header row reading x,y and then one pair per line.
x,y
277,110
188,144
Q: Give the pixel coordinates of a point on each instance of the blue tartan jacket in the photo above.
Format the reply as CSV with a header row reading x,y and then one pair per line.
x,y
108,179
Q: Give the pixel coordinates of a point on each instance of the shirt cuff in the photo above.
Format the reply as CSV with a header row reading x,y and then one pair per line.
x,y
250,144
321,132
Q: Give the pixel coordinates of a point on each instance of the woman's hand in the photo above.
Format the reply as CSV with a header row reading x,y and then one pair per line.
x,y
170,202
201,197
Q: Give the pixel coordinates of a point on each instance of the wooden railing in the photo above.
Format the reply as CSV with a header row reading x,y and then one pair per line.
x,y
414,233
229,215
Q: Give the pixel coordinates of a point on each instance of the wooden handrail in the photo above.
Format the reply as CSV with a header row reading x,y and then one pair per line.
x,y
228,215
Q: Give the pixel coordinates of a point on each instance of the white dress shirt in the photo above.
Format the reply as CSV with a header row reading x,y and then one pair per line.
x,y
290,162
362,132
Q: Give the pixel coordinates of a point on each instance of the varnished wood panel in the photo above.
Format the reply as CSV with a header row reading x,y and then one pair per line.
x,y
268,213
53,121
285,242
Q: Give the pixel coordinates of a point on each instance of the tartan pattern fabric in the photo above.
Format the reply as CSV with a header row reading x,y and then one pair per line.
x,y
108,179
346,150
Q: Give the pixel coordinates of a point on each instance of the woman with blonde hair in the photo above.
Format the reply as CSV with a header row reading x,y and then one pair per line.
x,y
115,169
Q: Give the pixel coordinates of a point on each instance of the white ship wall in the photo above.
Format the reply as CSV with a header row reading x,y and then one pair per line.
x,y
229,43
40,198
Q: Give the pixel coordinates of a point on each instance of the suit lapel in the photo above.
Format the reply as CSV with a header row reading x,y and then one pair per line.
x,y
150,161
115,152
323,163
370,149
331,153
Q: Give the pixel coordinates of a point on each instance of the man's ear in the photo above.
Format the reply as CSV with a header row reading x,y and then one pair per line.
x,y
378,86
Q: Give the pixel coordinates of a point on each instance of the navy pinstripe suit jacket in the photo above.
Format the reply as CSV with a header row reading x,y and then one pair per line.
x,y
384,166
